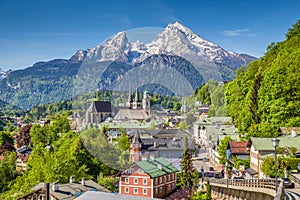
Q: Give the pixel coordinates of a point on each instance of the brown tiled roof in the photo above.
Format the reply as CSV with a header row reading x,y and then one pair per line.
x,y
238,148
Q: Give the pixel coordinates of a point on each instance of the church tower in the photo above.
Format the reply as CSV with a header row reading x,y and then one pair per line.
x,y
136,148
129,101
146,102
137,103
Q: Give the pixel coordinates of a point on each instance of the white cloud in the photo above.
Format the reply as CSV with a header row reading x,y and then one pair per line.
x,y
237,32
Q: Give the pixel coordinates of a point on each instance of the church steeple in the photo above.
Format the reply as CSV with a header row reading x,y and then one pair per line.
x,y
129,96
136,104
136,148
137,95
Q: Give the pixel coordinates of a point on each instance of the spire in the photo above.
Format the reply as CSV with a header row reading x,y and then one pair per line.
x,y
129,96
136,138
137,95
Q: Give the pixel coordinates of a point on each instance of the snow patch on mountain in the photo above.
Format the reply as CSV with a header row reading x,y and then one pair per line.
x,y
175,39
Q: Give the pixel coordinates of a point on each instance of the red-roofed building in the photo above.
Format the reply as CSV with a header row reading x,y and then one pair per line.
x,y
239,149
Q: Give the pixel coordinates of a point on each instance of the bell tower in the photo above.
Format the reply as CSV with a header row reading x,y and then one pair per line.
x,y
146,102
136,148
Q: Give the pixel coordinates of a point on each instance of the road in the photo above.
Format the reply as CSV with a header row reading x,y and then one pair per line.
x,y
202,153
292,194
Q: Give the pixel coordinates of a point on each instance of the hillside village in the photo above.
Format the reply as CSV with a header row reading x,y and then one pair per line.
x,y
157,144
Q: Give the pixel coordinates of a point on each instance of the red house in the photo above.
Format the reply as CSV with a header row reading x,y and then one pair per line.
x,y
154,178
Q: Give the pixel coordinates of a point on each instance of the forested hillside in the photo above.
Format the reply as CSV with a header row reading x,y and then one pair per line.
x,y
266,94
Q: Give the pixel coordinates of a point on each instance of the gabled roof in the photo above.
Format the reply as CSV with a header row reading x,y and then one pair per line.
x,y
238,148
100,106
156,167
69,190
129,114
262,144
265,144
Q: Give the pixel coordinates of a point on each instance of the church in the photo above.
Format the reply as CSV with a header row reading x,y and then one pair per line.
x,y
135,109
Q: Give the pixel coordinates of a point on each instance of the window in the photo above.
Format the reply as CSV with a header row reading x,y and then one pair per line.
x,y
144,191
135,181
173,177
140,171
126,190
165,178
160,189
156,190
160,179
169,187
155,181
136,191
127,180
145,181
173,185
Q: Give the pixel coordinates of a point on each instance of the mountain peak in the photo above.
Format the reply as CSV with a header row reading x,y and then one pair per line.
x,y
178,27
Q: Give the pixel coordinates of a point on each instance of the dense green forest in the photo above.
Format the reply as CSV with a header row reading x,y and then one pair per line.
x,y
266,94
57,154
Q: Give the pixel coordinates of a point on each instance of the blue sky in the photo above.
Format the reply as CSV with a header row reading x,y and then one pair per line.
x,y
40,30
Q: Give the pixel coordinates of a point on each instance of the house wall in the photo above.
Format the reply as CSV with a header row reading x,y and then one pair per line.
x,y
254,159
20,165
135,186
199,135
163,185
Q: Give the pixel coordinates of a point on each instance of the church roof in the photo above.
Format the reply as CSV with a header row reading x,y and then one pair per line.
x,y
129,114
100,106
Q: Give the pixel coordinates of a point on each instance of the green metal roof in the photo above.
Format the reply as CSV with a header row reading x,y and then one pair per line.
x,y
157,167
265,144
262,144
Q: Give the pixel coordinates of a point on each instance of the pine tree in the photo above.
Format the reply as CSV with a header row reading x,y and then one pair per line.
x,y
188,175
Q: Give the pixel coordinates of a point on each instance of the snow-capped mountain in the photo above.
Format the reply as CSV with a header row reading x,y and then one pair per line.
x,y
175,51
176,39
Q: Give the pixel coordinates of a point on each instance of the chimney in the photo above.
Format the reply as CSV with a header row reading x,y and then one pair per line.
x,y
47,185
82,181
152,156
55,187
293,133
72,179
159,166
